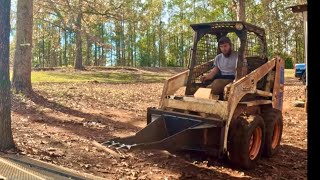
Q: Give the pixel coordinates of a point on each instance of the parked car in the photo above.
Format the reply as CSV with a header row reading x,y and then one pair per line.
x,y
300,72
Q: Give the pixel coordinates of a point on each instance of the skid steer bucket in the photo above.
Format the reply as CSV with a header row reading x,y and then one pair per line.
x,y
172,133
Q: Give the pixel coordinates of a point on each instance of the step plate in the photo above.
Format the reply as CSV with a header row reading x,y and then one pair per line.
x,y
12,170
23,168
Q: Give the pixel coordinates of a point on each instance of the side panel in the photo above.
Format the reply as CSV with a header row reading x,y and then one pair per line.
x,y
173,84
278,88
244,86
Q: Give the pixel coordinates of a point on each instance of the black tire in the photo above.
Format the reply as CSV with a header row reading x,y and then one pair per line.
x,y
304,78
274,125
240,153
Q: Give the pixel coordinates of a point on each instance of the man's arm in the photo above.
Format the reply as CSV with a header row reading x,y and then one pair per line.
x,y
211,74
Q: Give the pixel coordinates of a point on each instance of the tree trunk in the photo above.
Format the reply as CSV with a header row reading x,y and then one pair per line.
x,y
6,139
177,47
241,10
154,49
49,61
123,45
99,56
59,43
39,46
78,62
111,51
148,48
135,45
88,61
118,43
39,54
43,52
95,54
129,44
160,43
65,48
102,62
22,58
181,50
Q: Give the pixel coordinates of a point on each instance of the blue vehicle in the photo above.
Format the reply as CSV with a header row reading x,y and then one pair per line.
x,y
300,72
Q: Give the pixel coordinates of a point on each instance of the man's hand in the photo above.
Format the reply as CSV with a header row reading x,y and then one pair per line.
x,y
210,75
204,78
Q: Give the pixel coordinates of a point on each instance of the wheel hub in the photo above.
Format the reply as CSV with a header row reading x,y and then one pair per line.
x,y
255,143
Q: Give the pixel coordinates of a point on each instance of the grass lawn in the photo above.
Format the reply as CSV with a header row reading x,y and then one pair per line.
x,y
109,77
289,73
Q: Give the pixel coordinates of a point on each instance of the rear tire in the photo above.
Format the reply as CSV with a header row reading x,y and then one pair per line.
x,y
274,125
246,141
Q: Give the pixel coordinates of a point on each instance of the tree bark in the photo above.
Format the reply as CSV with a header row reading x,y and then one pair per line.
x,y
118,43
123,45
103,62
22,58
59,43
111,52
103,59
78,62
95,54
135,45
43,52
241,10
88,61
49,61
65,49
160,42
6,139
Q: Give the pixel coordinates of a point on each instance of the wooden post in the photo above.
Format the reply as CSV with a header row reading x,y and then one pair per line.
x,y
304,10
305,23
306,100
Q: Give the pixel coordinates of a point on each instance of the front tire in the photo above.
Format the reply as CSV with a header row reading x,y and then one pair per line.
x,y
246,141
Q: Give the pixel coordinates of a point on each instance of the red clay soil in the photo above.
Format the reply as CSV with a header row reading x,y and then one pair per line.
x,y
61,123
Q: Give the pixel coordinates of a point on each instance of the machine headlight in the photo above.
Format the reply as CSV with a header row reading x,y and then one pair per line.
x,y
239,26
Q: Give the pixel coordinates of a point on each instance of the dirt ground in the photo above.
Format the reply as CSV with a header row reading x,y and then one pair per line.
x,y
62,121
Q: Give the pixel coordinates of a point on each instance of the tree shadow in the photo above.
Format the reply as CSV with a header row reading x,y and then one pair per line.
x,y
81,128
289,163
88,117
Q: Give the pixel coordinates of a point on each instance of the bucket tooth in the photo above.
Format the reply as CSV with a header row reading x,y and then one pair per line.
x,y
131,146
106,143
121,146
113,144
126,146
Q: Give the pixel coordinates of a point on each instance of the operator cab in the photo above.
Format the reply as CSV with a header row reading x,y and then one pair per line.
x,y
247,39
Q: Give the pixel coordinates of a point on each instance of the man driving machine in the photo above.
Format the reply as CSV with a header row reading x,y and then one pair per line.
x,y
224,69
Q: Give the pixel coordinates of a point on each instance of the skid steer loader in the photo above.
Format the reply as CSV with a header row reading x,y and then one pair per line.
x,y
242,124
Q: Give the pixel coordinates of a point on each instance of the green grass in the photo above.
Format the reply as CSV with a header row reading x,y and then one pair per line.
x,y
109,77
48,76
289,73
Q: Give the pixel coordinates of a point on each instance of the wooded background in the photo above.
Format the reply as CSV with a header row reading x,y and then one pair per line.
x,y
147,32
